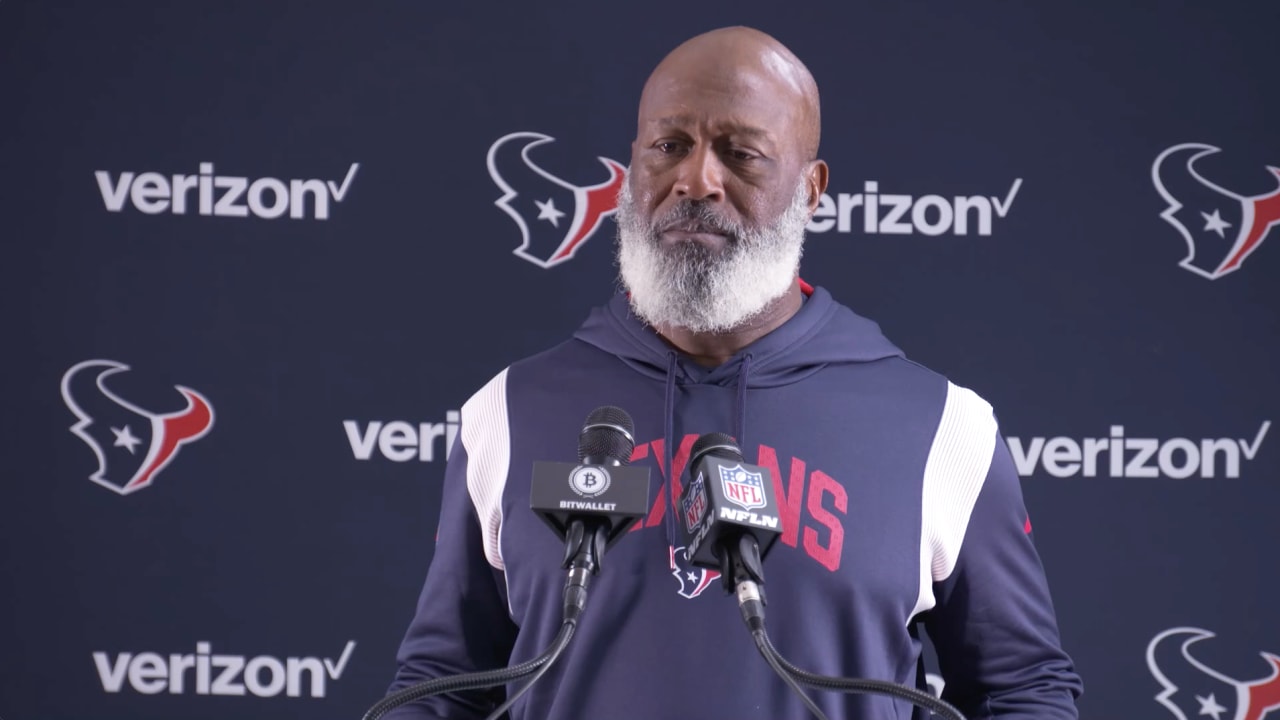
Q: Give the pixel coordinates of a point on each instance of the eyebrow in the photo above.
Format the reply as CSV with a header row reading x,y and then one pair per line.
x,y
734,127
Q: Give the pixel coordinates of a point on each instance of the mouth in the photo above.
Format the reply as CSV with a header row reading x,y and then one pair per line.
x,y
693,231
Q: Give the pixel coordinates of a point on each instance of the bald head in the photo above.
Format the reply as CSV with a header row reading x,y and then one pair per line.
x,y
724,178
745,60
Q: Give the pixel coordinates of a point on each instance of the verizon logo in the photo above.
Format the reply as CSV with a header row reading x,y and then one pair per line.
x,y
400,441
1120,456
205,673
206,193
872,212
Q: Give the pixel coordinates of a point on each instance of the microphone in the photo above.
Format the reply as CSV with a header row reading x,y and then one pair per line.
x,y
589,505
607,437
731,516
600,492
729,512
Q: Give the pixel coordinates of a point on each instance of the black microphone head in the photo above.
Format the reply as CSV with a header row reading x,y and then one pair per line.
x,y
717,444
607,435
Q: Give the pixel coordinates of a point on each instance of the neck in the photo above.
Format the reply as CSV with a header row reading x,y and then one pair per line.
x,y
713,349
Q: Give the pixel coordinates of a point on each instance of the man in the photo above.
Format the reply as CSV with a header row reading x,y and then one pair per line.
x,y
900,504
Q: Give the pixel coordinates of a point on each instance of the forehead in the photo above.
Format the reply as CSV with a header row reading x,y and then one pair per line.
x,y
720,98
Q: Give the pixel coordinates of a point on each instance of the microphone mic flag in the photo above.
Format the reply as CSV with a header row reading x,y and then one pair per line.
x,y
601,486
725,499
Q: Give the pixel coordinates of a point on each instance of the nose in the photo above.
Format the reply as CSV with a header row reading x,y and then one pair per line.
x,y
701,175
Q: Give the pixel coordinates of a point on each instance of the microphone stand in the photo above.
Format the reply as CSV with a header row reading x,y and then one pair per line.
x,y
742,571
743,560
584,551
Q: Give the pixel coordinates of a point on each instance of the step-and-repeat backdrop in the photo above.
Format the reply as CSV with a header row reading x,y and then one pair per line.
x,y
256,255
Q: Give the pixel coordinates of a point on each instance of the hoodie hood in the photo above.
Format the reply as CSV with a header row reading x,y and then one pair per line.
x,y
821,333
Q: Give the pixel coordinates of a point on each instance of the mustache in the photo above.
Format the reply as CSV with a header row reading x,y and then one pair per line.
x,y
696,216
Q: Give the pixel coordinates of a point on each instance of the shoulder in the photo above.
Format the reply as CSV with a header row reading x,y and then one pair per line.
x,y
538,367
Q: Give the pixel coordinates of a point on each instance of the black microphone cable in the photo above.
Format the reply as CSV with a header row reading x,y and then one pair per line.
x,y
871,687
607,437
744,568
584,549
775,661
584,553
469,681
741,564
742,572
752,609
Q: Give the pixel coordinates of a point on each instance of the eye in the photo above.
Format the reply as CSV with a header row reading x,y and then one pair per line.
x,y
668,147
741,155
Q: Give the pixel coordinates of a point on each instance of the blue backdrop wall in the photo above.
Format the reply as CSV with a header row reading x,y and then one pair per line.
x,y
254,260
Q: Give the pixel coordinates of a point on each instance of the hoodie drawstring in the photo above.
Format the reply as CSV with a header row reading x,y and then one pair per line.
x,y
668,438
740,422
668,431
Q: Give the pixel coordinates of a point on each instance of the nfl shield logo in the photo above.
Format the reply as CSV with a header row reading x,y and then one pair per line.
x,y
742,488
695,504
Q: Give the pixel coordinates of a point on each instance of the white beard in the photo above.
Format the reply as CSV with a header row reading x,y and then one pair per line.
x,y
690,286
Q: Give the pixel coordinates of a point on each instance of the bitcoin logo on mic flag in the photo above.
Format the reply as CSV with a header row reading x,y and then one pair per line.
x,y
589,481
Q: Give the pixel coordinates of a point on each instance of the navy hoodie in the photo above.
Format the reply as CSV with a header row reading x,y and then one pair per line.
x,y
900,509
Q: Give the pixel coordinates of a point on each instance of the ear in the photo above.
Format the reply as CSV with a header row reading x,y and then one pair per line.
x,y
817,175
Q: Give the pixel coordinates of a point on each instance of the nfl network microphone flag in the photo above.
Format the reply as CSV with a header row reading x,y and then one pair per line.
x,y
727,495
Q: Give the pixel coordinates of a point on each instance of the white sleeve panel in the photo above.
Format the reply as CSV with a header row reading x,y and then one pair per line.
x,y
486,436
953,476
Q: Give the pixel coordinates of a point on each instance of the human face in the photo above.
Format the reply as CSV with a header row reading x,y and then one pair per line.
x,y
711,220
725,135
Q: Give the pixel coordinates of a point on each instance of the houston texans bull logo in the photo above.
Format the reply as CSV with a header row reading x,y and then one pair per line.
x,y
555,217
693,579
1190,689
132,445
1221,228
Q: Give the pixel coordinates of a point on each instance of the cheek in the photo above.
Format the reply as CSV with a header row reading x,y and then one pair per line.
x,y
650,201
761,207
646,188
771,203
